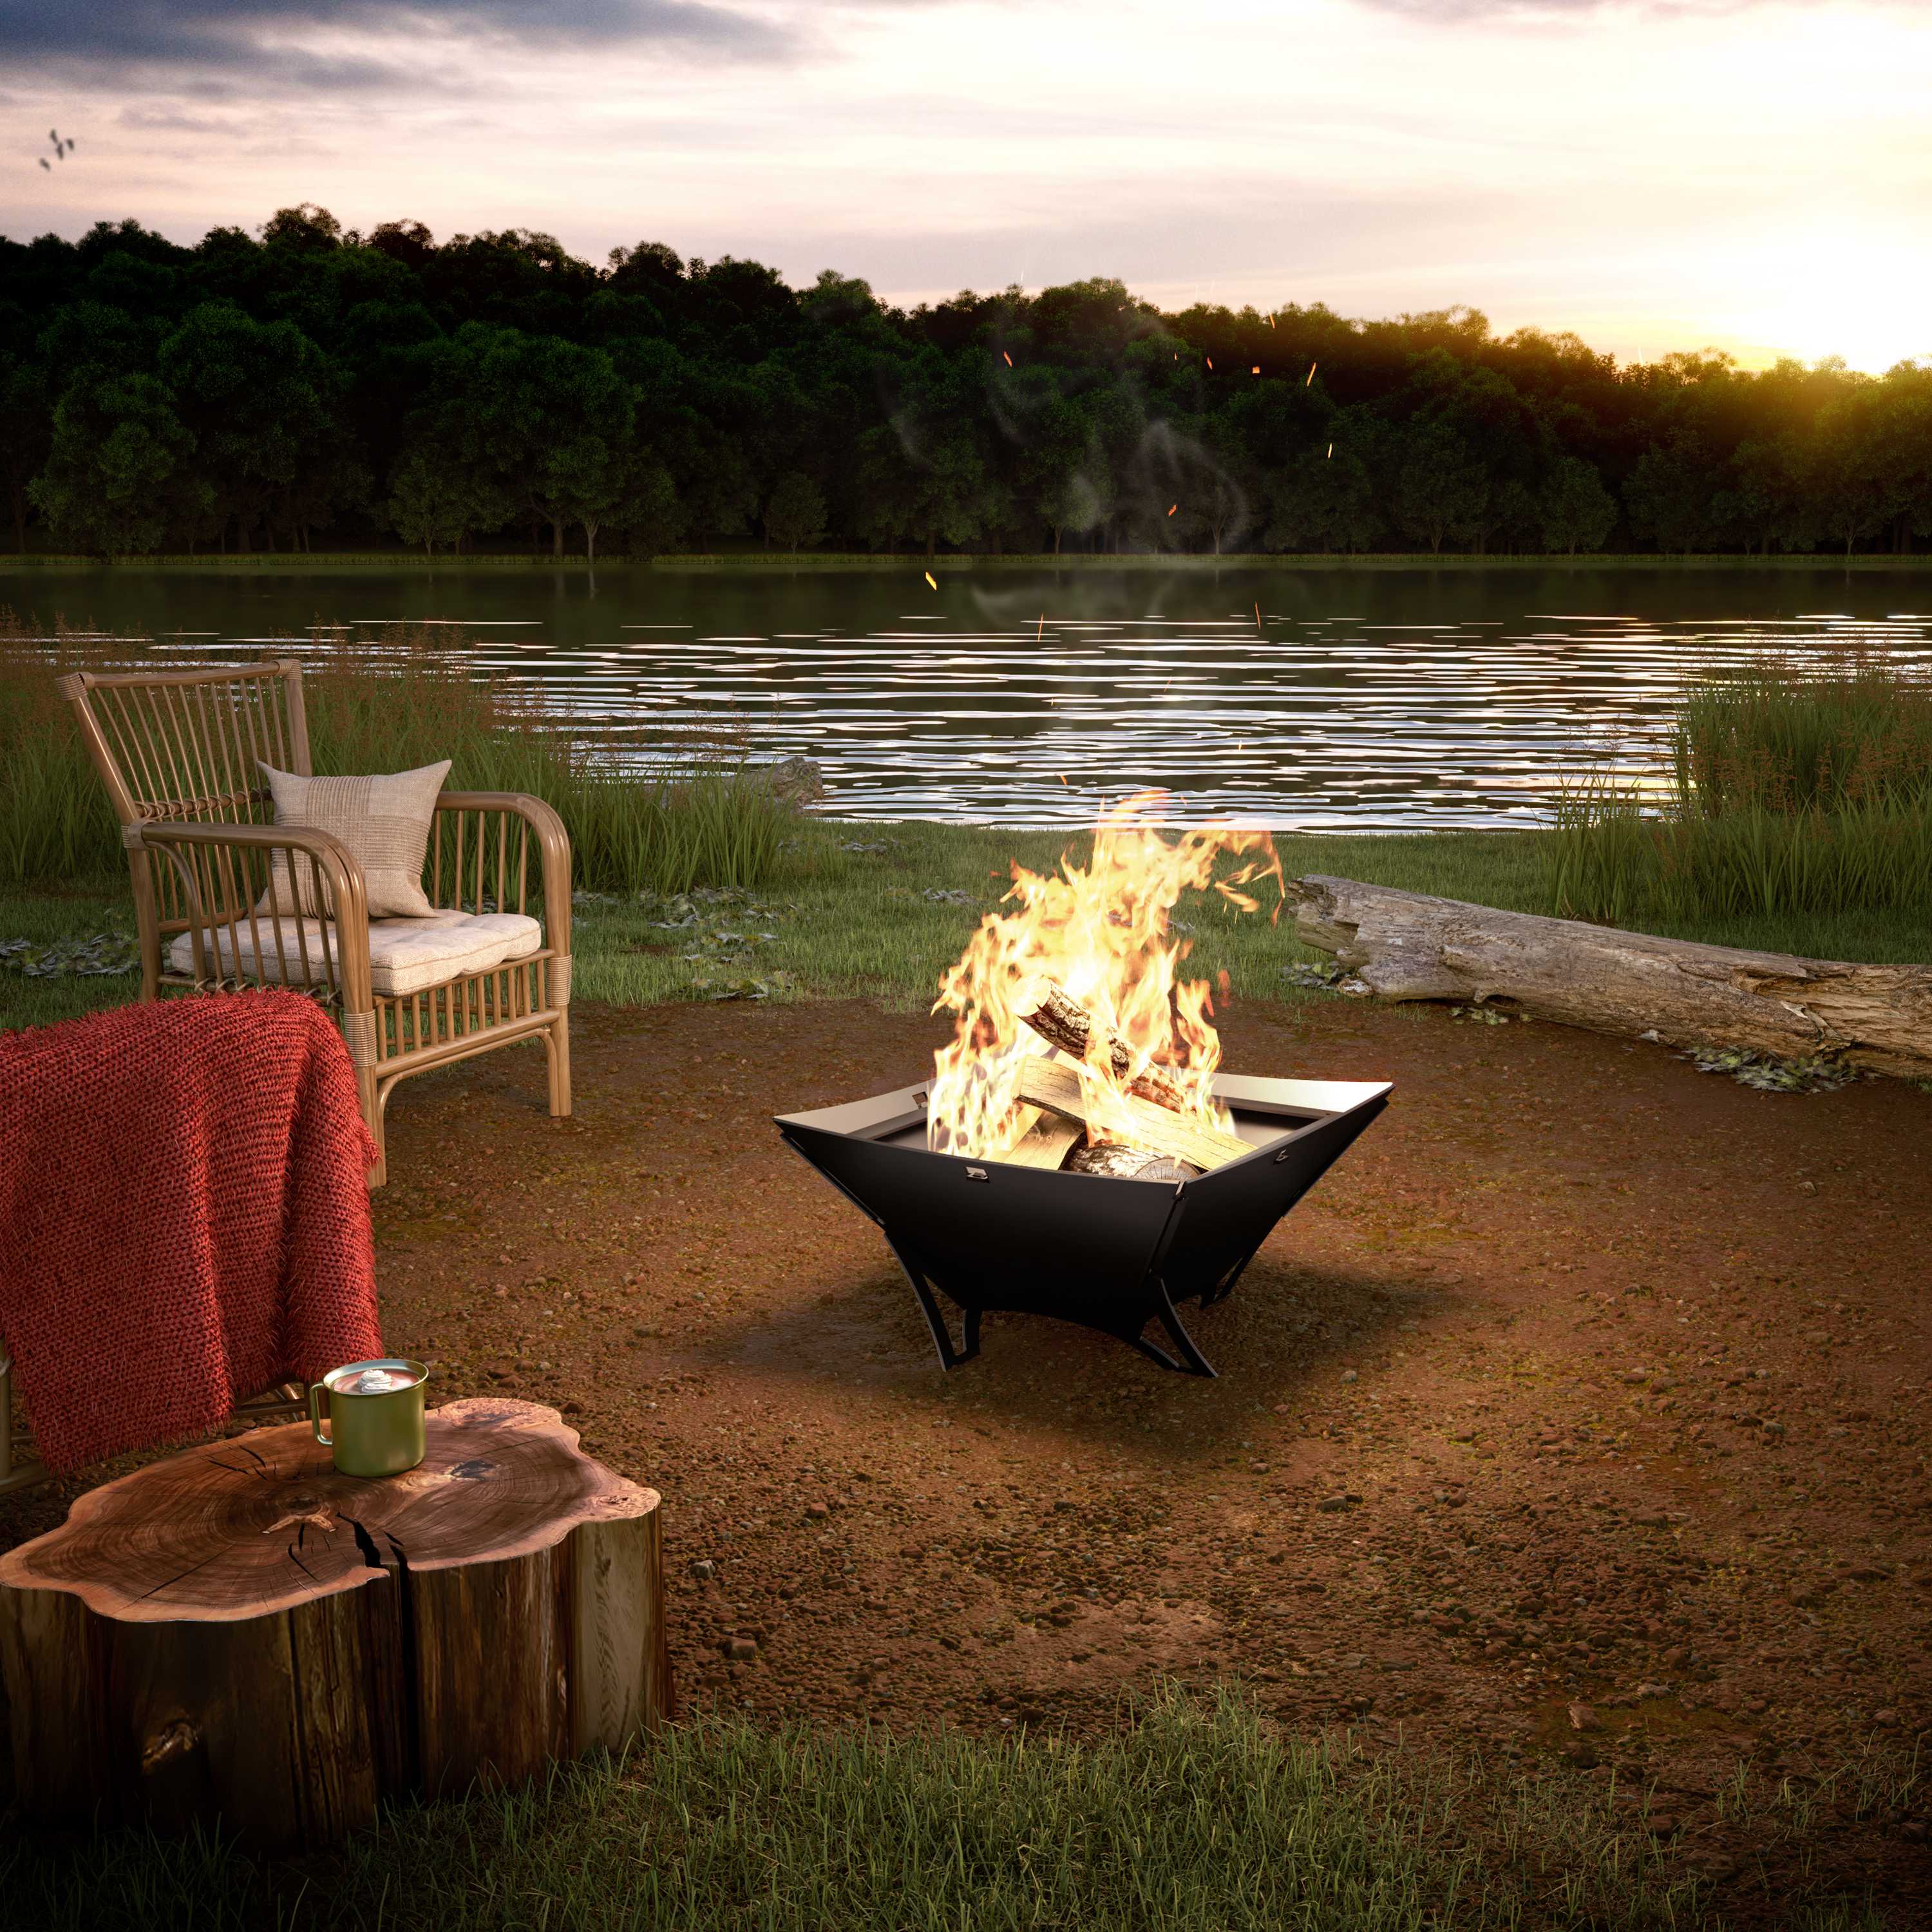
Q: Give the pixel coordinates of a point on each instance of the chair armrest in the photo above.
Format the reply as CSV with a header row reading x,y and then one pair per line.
x,y
194,849
552,851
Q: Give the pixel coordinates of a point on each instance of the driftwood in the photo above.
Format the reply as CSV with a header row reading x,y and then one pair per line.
x,y
1055,1085
240,1634
1061,1020
1407,946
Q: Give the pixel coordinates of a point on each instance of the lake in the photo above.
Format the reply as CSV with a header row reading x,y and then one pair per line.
x,y
1345,700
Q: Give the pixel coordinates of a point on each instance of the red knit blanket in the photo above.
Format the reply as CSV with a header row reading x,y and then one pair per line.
x,y
184,1216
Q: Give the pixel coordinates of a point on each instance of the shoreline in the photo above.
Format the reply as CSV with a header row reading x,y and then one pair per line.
x,y
831,563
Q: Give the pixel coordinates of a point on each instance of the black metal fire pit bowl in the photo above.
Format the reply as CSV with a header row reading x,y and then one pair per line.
x,y
1109,1254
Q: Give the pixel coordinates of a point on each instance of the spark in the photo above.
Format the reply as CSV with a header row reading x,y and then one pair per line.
x,y
1042,632
1210,361
1331,449
1257,614
1171,508
1255,371
1062,777
931,579
1311,367
1009,360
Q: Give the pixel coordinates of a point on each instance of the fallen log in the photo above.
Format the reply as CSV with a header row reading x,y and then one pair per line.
x,y
1055,1084
1061,1021
1409,946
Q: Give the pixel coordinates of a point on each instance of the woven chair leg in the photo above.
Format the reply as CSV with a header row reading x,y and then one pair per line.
x,y
556,1042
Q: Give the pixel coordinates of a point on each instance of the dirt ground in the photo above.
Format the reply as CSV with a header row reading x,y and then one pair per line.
x,y
1583,1379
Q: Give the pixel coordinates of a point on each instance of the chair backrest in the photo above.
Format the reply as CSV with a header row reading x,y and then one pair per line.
x,y
189,744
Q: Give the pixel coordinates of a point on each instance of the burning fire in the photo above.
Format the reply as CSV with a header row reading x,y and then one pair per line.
x,y
1095,939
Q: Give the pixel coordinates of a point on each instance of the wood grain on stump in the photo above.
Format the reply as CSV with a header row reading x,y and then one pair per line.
x,y
241,1632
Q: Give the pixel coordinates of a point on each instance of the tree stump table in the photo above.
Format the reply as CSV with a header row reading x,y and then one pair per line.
x,y
240,1633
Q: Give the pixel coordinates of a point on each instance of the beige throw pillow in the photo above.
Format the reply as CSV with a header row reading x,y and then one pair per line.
x,y
384,821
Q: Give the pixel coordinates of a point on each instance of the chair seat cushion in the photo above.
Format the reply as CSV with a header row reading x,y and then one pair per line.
x,y
406,955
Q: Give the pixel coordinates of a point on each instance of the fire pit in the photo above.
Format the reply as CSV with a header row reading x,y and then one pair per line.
x,y
1077,1152
1111,1254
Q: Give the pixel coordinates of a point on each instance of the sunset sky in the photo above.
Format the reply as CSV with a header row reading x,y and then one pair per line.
x,y
1754,175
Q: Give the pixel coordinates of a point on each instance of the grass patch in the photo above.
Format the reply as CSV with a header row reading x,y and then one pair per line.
x,y
1198,1817
1784,793
877,911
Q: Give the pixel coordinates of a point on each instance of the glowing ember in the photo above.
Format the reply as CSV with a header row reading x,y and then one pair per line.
x,y
1096,936
931,579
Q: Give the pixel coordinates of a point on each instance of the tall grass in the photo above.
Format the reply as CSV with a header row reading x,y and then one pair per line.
x,y
1781,792
693,818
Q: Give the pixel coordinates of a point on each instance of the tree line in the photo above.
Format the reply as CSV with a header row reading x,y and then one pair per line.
x,y
258,391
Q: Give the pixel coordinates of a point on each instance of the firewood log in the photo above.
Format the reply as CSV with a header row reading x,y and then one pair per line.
x,y
1120,1162
1059,1018
1045,1143
1056,1085
1408,946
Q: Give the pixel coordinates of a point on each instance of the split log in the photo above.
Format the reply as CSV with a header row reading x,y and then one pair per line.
x,y
1408,946
1120,1162
1045,1143
1055,1085
1061,1020
241,1634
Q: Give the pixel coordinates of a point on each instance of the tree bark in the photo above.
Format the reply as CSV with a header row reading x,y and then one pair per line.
x,y
239,1634
1408,946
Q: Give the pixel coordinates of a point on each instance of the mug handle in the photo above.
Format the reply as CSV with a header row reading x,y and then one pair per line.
x,y
317,1390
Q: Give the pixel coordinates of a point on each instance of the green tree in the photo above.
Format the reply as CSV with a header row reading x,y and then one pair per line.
x,y
26,434
1672,494
1441,490
264,405
1573,510
118,477
794,512
1322,503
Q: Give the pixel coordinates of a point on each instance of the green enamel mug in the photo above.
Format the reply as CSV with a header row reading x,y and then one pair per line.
x,y
373,1411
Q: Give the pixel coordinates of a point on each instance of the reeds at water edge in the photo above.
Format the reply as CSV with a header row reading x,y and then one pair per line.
x,y
1783,790
656,817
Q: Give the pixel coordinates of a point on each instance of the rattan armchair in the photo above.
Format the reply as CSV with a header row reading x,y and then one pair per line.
x,y
180,753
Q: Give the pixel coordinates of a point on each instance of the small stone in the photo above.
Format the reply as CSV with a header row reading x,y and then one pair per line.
x,y
1582,1718
1349,1376
740,1648
1662,1824
1334,1505
1886,1720
817,1512
703,1569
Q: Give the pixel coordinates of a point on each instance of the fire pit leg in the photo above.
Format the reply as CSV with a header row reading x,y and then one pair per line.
x,y
949,1357
1197,1364
1224,1286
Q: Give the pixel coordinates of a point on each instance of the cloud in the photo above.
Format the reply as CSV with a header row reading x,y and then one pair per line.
x,y
1453,11
349,43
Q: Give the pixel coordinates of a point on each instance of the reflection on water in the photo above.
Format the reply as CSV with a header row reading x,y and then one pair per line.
x,y
1321,701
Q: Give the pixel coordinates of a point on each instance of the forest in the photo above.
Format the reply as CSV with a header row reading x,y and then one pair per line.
x,y
314,388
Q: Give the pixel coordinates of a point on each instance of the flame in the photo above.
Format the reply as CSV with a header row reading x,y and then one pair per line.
x,y
1102,931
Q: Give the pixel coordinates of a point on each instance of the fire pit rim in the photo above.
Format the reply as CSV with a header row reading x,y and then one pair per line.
x,y
1316,1100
